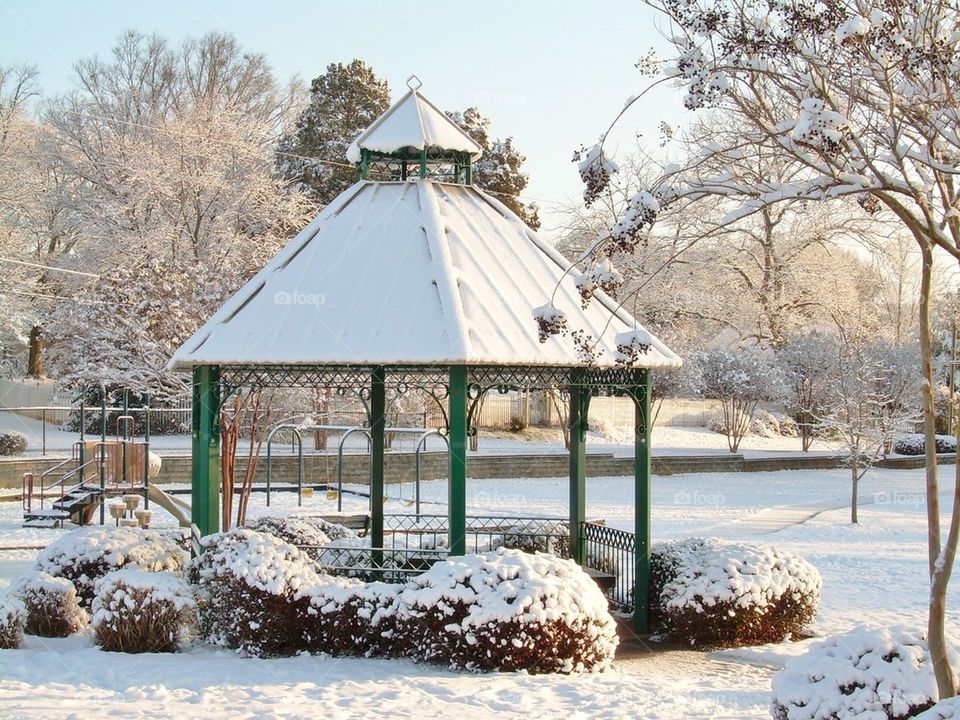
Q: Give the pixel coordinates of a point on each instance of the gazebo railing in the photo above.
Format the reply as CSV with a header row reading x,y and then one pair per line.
x,y
484,532
392,565
611,551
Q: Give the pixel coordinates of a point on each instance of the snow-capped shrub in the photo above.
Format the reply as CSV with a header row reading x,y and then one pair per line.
x,y
707,592
916,444
882,673
136,611
85,555
52,605
353,618
295,530
948,709
12,443
253,592
506,610
548,536
334,531
13,618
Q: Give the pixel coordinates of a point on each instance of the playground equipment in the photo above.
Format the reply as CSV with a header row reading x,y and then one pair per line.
x,y
96,470
297,430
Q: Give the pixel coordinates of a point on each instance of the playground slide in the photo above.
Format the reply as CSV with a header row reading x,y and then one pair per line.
x,y
178,508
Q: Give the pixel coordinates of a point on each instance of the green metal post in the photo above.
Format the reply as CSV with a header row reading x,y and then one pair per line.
x,y
641,507
457,487
378,424
423,163
205,486
364,164
579,404
468,179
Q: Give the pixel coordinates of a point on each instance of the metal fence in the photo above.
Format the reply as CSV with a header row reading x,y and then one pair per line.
x,y
392,565
488,532
611,551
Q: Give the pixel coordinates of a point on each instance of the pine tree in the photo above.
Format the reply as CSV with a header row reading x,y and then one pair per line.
x,y
344,101
498,170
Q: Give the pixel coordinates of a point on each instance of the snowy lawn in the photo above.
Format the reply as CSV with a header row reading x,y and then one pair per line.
x,y
872,574
667,440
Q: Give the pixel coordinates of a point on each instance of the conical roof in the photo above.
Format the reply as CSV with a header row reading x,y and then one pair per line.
x,y
413,122
412,272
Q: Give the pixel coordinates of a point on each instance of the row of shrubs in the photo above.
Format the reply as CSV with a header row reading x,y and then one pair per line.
x,y
704,592
252,591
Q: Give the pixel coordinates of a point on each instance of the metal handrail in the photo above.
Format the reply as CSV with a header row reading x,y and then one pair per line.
x,y
296,432
421,443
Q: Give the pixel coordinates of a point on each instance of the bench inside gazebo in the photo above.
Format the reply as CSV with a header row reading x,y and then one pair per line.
x,y
415,279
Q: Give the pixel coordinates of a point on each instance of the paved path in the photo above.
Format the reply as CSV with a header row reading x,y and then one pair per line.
x,y
775,519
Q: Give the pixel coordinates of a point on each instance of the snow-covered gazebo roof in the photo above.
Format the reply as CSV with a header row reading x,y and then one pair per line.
x,y
414,272
416,123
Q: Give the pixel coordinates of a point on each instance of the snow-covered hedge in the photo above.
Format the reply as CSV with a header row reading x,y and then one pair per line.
x,y
12,443
13,618
708,592
252,592
307,533
353,618
915,444
136,611
533,536
506,610
52,605
865,673
86,555
948,709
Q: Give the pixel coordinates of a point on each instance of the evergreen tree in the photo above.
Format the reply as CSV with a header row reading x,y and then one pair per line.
x,y
344,101
498,170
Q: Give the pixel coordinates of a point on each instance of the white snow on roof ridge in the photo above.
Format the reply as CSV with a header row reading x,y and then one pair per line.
x,y
431,129
445,280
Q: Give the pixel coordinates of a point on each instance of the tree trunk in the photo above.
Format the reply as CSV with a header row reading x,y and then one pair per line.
x,y
938,565
35,353
854,488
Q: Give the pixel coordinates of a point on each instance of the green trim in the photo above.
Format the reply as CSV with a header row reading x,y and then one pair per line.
x,y
579,407
423,163
457,487
364,165
205,477
641,507
378,424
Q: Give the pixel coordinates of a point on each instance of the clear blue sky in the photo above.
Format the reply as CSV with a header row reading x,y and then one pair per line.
x,y
551,74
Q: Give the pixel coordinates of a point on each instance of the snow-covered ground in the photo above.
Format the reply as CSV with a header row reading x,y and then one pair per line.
x,y
873,573
667,440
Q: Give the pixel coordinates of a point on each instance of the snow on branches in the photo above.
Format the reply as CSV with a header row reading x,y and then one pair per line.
x,y
595,171
550,321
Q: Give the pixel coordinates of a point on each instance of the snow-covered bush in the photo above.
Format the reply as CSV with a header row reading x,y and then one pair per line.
x,y
52,605
13,618
295,530
865,673
506,610
253,592
707,592
948,709
915,444
353,618
136,611
85,555
549,536
12,443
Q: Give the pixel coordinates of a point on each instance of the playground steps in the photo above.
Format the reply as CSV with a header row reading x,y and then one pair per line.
x,y
45,518
73,503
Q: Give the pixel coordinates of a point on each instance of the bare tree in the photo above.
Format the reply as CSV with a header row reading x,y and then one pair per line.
x,y
861,97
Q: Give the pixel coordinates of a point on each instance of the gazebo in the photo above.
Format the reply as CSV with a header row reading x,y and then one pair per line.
x,y
415,278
